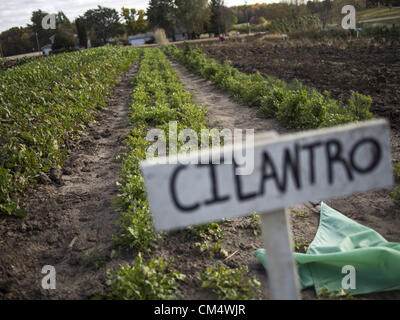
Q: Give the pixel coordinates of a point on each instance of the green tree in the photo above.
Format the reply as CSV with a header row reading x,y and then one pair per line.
x,y
193,15
81,30
43,36
62,19
104,23
222,18
141,23
63,40
17,41
162,14
36,19
129,15
135,21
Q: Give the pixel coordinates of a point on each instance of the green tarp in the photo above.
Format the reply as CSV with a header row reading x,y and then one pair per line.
x,y
339,242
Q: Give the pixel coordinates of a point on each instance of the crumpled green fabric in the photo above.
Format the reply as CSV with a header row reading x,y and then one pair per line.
x,y
341,241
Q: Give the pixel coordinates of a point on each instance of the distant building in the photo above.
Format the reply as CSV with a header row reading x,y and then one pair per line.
x,y
140,39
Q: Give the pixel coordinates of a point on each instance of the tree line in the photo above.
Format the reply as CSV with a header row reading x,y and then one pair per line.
x,y
177,17
99,25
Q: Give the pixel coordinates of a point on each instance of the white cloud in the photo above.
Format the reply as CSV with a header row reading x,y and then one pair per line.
x,y
17,13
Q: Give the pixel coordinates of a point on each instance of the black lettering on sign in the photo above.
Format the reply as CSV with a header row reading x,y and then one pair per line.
x,y
172,188
238,185
268,163
333,150
290,163
310,147
376,155
214,186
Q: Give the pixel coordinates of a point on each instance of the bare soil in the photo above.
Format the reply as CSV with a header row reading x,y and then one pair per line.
x,y
70,217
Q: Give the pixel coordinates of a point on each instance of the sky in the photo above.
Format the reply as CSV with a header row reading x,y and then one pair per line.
x,y
16,13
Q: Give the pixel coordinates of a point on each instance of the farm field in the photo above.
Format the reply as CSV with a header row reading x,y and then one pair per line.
x,y
88,214
340,67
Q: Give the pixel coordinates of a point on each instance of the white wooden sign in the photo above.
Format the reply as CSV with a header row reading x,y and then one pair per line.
x,y
288,170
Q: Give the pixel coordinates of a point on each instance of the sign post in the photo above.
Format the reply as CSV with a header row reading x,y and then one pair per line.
x,y
287,170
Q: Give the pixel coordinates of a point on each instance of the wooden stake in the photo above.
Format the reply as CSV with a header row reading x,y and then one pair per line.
x,y
282,273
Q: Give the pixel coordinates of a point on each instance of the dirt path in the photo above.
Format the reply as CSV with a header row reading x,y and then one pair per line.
x,y
374,209
71,219
223,111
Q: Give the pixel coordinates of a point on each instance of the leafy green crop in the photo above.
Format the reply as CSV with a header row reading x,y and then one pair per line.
x,y
230,284
158,98
145,281
210,237
43,102
294,105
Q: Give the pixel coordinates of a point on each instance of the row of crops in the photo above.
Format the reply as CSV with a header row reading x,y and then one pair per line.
x,y
158,98
42,103
294,105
